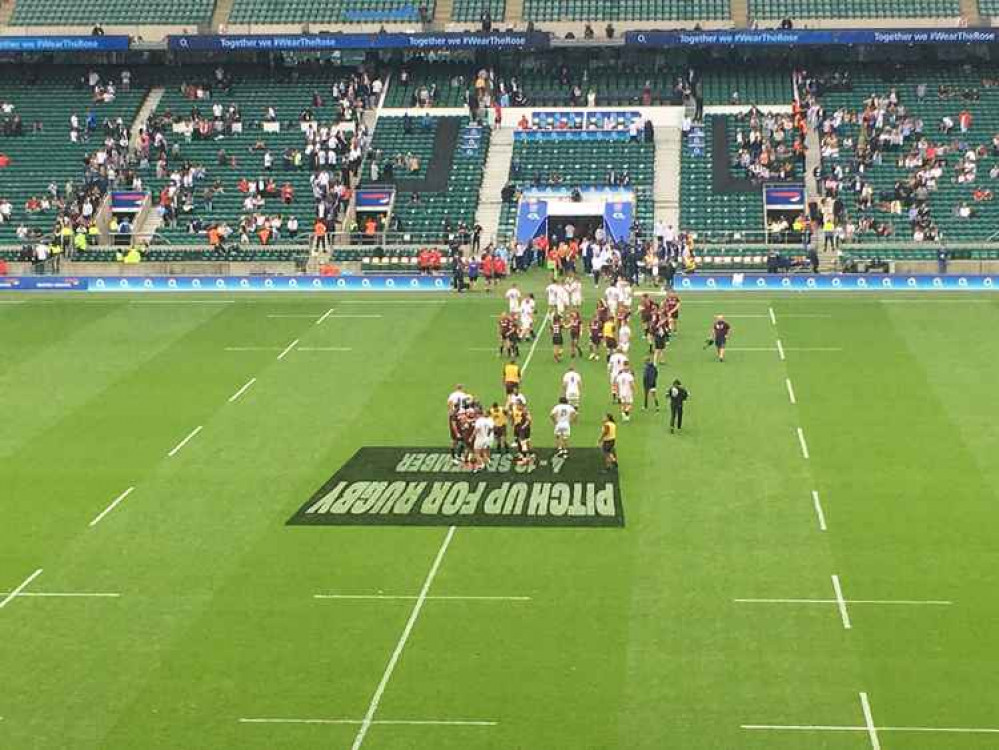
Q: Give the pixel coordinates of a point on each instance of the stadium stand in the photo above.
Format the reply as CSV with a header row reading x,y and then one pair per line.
x,y
241,158
42,177
849,9
929,152
331,11
471,10
626,10
438,201
87,12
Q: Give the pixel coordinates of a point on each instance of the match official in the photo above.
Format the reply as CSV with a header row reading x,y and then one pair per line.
x,y
677,395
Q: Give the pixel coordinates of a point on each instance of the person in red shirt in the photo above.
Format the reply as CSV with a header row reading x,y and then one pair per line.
x,y
499,268
287,193
488,269
435,259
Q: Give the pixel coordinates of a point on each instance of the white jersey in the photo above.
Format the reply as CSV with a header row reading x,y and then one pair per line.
x,y
515,399
552,290
624,290
456,399
561,299
624,338
572,384
612,296
625,386
483,432
513,300
563,414
615,364
527,314
575,290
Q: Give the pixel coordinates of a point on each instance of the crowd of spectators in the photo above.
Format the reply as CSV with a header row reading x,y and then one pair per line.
x,y
770,146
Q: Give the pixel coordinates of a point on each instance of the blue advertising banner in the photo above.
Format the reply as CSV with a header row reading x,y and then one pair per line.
x,y
720,282
532,216
617,219
278,42
113,43
373,199
793,37
784,197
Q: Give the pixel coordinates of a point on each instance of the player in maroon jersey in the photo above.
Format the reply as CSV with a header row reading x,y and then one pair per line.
x,y
672,304
557,336
596,337
575,332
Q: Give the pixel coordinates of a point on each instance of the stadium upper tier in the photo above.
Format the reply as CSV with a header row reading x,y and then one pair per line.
x,y
626,10
849,9
330,11
89,12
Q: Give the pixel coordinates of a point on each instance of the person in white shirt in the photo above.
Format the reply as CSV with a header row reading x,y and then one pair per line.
x,y
572,387
552,291
562,416
615,363
513,299
527,318
457,399
625,292
482,440
626,391
612,296
574,288
624,336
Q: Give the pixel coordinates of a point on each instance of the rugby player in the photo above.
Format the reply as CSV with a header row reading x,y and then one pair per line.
x,y
498,415
572,387
625,383
575,331
563,414
608,441
557,337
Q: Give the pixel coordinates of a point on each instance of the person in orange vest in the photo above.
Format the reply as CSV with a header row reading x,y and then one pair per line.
x,y
264,233
370,227
319,237
488,269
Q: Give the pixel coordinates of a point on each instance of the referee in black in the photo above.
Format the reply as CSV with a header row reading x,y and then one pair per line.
x,y
677,395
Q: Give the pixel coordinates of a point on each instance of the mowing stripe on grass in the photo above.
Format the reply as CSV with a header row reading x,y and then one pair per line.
x,y
790,391
287,349
242,390
872,731
24,584
841,603
112,506
185,441
324,316
803,444
394,659
827,728
69,594
780,350
818,510
409,597
324,349
390,722
906,602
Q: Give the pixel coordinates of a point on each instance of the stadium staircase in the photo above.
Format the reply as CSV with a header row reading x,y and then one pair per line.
x,y
740,13
220,16
6,11
666,179
442,14
971,12
149,105
496,175
514,11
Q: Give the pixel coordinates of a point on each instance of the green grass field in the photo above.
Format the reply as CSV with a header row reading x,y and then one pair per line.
x,y
526,638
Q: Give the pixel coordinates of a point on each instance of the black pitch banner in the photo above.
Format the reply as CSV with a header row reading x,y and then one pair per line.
x,y
381,486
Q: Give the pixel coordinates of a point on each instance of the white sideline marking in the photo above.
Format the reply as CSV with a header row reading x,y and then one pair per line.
x,y
750,348
773,318
242,390
324,349
907,602
826,728
818,510
395,722
179,301
185,441
802,443
530,353
872,731
790,391
112,506
287,349
69,594
428,598
24,584
841,603
394,659
324,316
780,350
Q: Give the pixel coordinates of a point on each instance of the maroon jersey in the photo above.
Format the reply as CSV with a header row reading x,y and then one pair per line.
x,y
720,331
556,326
595,329
575,326
505,326
672,306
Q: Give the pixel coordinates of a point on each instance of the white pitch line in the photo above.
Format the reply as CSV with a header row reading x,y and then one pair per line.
x,y
773,317
112,506
185,441
802,443
24,584
827,728
242,390
818,510
872,731
394,659
68,594
841,603
751,348
906,602
428,598
790,391
324,316
814,348
780,350
391,722
287,349
530,353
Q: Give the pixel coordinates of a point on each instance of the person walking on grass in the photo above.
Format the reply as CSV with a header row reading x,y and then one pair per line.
x,y
677,395
720,330
608,440
650,377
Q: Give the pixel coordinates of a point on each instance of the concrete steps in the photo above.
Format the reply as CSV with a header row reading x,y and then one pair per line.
x,y
442,14
6,11
740,13
972,13
514,12
494,178
149,105
666,178
220,16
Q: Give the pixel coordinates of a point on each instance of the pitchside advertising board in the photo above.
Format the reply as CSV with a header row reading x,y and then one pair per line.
x,y
382,486
717,282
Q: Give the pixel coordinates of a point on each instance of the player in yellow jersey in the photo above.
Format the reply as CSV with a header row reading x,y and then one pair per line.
x,y
511,376
498,416
608,438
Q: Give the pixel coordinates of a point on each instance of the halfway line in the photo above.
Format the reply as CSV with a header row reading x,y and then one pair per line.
x,y
780,350
325,315
872,731
790,391
288,349
185,441
24,584
436,598
112,506
841,603
242,390
818,510
534,346
802,443
394,659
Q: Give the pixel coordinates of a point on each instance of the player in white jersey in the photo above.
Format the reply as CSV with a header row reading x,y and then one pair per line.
x,y
482,431
624,336
572,386
612,296
625,292
457,399
561,299
513,299
527,318
552,292
562,416
626,391
615,363
575,289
